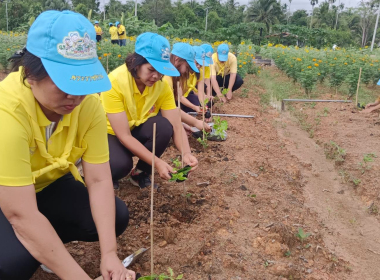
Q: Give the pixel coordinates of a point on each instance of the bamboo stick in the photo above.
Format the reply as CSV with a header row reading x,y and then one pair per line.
x,y
180,119
203,103
151,200
357,89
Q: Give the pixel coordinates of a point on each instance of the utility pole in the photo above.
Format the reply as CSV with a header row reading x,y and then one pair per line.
x,y
374,32
136,8
206,18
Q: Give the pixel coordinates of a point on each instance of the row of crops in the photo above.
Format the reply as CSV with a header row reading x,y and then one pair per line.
x,y
336,68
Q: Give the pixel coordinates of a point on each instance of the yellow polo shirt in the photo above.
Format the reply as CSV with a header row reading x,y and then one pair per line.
x,y
126,97
113,32
98,30
229,67
120,29
26,157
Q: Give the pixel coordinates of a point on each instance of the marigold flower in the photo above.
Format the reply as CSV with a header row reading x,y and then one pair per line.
x,y
316,64
309,67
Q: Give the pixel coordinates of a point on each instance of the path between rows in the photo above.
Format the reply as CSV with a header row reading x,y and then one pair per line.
x,y
349,231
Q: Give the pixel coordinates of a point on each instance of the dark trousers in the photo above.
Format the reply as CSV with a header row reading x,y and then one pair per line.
x,y
98,38
238,82
193,98
115,42
121,159
65,203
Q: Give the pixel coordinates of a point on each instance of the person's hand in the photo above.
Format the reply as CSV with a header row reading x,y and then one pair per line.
x,y
112,268
229,94
191,160
199,125
164,169
198,109
366,111
223,98
369,105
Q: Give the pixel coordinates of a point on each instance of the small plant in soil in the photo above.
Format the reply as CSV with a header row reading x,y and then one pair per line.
x,y
176,162
203,142
220,127
171,276
287,254
181,174
224,91
333,151
302,235
369,157
326,111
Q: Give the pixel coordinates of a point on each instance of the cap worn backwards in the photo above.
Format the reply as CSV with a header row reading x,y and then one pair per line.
x,y
200,56
66,43
209,51
185,51
156,50
223,50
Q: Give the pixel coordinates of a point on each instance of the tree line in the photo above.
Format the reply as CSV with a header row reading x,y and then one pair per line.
x,y
261,21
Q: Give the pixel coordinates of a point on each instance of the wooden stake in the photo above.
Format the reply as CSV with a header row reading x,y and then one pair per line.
x,y
203,106
357,89
179,110
107,64
151,200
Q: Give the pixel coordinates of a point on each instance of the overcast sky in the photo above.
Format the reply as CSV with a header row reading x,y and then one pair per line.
x,y
296,4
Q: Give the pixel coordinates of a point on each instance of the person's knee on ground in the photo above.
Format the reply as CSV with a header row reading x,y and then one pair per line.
x,y
122,216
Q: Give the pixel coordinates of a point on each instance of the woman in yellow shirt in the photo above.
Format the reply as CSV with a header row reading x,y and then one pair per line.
x,y
99,31
224,73
50,121
114,34
132,105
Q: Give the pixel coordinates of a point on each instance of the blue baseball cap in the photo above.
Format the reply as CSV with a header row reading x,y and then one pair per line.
x,y
96,21
223,50
200,56
186,52
209,51
117,23
110,24
156,50
66,44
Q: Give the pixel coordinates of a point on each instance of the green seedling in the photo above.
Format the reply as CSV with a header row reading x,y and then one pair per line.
x,y
224,91
181,174
288,254
220,127
369,157
171,276
326,111
188,195
302,235
356,181
177,163
251,195
203,142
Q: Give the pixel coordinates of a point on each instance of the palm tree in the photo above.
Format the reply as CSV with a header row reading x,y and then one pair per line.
x,y
312,3
264,11
290,4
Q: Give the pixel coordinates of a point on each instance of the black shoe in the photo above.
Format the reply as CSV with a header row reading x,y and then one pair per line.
x,y
116,185
141,180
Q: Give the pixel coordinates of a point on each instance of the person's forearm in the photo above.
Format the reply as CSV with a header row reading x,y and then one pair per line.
x,y
138,149
187,119
215,86
375,107
232,81
180,139
38,236
102,202
187,103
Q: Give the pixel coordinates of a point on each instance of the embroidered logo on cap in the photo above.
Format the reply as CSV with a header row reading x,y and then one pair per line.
x,y
203,56
165,53
209,54
224,52
74,46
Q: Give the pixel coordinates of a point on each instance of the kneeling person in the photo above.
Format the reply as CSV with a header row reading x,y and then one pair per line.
x,y
224,73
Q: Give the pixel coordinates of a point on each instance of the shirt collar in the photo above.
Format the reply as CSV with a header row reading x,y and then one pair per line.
x,y
44,121
137,91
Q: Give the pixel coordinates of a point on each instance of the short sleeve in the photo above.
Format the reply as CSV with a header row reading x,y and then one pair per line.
x,y
168,101
207,72
233,64
15,166
169,81
96,136
113,99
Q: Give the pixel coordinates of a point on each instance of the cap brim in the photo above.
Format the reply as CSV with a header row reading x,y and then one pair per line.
x,y
165,68
378,83
200,62
209,60
193,66
223,57
80,79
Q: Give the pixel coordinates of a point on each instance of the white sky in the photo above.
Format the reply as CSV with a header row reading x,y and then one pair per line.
x,y
296,4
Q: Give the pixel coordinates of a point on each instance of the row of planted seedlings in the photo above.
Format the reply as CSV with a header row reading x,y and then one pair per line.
x,y
308,66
